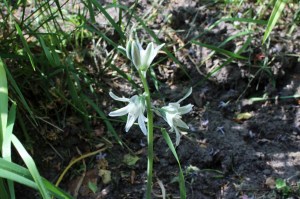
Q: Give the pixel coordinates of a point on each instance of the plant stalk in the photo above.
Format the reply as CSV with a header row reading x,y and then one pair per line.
x,y
149,136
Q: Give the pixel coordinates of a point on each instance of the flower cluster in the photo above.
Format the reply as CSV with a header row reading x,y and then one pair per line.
x,y
172,114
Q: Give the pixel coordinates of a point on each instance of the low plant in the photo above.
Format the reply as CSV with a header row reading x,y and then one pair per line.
x,y
138,104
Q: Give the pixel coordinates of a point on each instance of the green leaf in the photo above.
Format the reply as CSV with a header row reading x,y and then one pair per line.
x,y
3,103
276,12
220,50
16,88
26,47
104,118
181,177
280,183
31,166
21,175
108,17
92,186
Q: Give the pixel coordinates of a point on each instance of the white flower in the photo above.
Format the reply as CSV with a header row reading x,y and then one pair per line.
x,y
135,110
172,115
141,58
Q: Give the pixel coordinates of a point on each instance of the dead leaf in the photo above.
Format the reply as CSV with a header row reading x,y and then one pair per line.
x,y
105,175
243,116
130,160
270,182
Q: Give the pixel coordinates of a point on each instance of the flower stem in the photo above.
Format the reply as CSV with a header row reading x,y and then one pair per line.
x,y
149,136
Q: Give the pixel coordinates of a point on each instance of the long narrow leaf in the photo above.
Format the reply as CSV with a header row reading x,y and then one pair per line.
x,y
16,88
220,50
3,103
31,166
104,118
6,149
6,123
276,12
108,17
3,192
26,47
59,8
181,177
17,178
23,176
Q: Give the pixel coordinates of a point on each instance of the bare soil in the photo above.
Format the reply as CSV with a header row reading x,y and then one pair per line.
x,y
235,148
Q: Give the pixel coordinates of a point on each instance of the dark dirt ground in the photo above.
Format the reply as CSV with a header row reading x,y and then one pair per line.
x,y
223,156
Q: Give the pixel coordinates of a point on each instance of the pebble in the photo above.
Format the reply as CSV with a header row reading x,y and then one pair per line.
x,y
267,172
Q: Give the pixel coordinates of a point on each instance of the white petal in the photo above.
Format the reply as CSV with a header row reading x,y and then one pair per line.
x,y
169,119
122,99
180,123
154,52
185,109
119,112
130,120
135,54
178,136
147,59
186,95
141,121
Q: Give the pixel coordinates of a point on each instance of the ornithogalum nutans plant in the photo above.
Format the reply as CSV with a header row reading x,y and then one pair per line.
x,y
142,59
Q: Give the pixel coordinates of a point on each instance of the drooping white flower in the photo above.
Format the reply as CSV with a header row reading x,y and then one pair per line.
x,y
141,58
135,110
172,115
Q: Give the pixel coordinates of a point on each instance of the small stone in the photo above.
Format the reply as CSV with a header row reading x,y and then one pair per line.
x,y
270,182
267,172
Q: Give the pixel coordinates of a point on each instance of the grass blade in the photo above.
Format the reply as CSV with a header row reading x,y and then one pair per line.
x,y
22,175
246,20
276,12
31,166
228,61
104,118
26,47
181,177
16,88
108,17
3,102
3,119
59,8
6,149
17,178
220,50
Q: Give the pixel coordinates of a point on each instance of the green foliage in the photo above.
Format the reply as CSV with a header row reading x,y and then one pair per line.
x,y
181,176
7,120
277,10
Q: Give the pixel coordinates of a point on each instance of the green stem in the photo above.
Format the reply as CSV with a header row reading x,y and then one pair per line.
x,y
149,136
